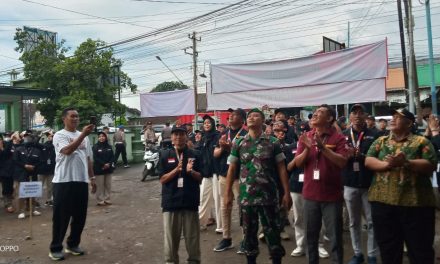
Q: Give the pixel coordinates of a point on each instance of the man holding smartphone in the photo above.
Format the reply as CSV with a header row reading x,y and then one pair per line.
x,y
73,172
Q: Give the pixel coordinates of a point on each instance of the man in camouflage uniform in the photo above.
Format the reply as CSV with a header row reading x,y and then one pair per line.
x,y
259,159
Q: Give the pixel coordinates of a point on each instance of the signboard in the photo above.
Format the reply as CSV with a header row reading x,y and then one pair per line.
x,y
36,35
30,189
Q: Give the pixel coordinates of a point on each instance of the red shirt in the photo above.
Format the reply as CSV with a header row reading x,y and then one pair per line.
x,y
329,187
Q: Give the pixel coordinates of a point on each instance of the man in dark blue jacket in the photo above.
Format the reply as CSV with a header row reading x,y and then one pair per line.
x,y
180,178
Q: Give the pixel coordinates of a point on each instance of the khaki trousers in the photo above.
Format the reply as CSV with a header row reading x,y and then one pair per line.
x,y
46,182
206,201
226,212
174,223
103,187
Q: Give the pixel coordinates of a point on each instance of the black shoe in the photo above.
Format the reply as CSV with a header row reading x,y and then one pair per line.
x,y
224,244
56,255
76,251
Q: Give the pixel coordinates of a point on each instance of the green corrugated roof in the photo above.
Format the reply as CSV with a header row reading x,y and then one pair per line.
x,y
424,75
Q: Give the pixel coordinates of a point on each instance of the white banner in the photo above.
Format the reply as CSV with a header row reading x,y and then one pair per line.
x,y
347,76
338,93
175,103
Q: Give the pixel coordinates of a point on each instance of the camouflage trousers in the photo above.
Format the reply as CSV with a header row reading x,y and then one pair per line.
x,y
269,216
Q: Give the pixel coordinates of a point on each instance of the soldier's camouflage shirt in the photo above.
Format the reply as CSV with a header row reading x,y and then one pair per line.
x,y
258,160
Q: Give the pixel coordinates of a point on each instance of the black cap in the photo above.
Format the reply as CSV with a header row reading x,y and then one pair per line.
x,y
371,117
207,117
239,111
357,106
177,129
405,113
382,119
197,131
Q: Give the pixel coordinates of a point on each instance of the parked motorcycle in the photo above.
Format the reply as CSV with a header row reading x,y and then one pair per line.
x,y
151,158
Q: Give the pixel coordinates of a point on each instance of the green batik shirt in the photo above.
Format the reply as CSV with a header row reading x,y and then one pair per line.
x,y
401,186
258,160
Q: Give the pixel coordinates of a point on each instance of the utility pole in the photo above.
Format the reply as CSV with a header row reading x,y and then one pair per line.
x,y
194,54
431,58
412,71
402,48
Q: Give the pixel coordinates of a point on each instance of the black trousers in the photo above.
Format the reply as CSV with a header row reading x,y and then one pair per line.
x,y
394,225
69,205
120,149
7,186
314,214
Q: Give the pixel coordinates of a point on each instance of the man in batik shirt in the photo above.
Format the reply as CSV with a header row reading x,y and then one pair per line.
x,y
401,194
259,158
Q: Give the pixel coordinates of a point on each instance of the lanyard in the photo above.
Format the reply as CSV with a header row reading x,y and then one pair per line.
x,y
236,136
179,157
318,151
356,144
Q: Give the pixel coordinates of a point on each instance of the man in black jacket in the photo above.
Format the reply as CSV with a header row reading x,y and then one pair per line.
x,y
357,180
180,178
7,171
48,167
28,160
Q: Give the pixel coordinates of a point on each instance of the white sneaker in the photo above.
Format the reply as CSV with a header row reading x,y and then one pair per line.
x,y
298,252
219,230
36,213
261,236
284,235
21,216
322,252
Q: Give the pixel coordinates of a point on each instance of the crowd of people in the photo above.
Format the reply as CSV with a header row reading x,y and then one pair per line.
x,y
322,170
269,167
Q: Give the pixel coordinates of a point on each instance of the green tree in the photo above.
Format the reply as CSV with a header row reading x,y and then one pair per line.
x,y
84,80
169,86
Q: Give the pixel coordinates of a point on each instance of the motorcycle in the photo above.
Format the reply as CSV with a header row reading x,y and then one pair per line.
x,y
151,158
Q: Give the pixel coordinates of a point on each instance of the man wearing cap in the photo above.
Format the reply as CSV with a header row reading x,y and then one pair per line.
x,y
401,193
291,136
357,180
191,134
180,178
323,154
259,159
236,130
371,123
383,123
119,141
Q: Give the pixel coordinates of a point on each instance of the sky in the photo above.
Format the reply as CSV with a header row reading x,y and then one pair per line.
x,y
251,31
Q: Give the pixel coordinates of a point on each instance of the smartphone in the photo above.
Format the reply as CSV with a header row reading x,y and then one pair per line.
x,y
93,120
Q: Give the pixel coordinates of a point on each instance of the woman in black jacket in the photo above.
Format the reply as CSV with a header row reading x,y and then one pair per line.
x,y
103,157
209,185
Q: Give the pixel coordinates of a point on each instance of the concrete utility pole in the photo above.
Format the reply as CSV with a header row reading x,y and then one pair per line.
x,y
414,99
431,58
194,54
402,47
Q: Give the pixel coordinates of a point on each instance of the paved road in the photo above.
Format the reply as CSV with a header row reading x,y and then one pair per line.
x,y
129,231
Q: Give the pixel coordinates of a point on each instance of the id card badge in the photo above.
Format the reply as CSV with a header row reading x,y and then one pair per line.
x,y
316,174
356,166
180,182
301,177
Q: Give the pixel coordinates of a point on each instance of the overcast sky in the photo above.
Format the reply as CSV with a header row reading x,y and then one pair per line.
x,y
256,30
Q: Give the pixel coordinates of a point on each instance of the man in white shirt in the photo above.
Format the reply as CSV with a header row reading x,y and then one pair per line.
x,y
73,170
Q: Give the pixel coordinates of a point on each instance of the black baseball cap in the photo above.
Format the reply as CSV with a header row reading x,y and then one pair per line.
x,y
177,129
279,110
405,113
239,111
371,117
357,106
